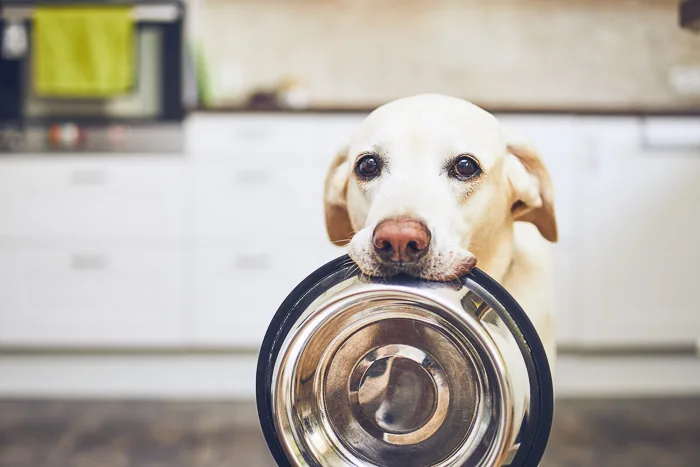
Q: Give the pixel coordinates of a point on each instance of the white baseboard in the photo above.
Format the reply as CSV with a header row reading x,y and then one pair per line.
x,y
627,376
200,376
128,376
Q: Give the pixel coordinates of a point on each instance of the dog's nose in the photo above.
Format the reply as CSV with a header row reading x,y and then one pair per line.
x,y
401,240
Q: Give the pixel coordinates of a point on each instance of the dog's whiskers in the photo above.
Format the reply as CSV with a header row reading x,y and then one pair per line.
x,y
345,240
351,270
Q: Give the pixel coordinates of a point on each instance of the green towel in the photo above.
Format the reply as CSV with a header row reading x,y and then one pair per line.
x,y
83,51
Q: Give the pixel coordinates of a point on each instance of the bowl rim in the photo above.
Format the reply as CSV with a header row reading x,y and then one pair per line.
x,y
535,437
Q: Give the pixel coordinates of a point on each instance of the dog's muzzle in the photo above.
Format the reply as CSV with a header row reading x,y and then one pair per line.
x,y
402,372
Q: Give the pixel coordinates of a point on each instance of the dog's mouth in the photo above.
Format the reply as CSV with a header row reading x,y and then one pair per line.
x,y
439,264
426,271
399,268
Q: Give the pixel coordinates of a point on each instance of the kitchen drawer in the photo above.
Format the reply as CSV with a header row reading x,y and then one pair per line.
x,y
680,134
257,198
90,197
639,254
561,147
554,137
237,290
569,186
91,297
569,314
300,136
215,133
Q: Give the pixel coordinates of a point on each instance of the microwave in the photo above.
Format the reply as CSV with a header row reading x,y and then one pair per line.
x,y
30,122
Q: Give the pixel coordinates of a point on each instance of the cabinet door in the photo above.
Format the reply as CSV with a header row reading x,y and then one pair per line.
x,y
566,177
258,197
559,142
641,228
297,138
58,296
92,196
237,289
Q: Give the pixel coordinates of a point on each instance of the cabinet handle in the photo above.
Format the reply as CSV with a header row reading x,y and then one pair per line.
x,y
89,261
253,134
253,177
670,136
668,148
88,177
593,163
253,262
591,156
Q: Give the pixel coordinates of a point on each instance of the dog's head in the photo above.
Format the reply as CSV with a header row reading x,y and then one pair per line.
x,y
428,183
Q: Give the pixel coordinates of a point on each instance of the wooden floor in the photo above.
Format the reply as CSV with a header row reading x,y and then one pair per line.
x,y
600,433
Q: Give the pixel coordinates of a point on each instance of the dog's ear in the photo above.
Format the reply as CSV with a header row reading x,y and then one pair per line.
x,y
335,197
533,193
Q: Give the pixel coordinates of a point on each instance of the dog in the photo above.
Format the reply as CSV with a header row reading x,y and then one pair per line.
x,y
432,185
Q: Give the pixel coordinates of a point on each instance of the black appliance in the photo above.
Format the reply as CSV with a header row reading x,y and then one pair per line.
x,y
147,119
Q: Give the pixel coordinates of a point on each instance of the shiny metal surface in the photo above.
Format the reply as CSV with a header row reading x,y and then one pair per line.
x,y
399,392
403,373
155,12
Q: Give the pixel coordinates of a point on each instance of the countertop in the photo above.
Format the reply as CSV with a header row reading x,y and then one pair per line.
x,y
495,109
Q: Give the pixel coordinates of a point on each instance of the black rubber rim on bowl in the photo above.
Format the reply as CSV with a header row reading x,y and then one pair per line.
x,y
536,434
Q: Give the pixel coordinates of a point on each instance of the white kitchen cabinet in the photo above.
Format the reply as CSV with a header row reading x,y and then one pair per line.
x,y
138,251
568,317
238,286
568,193
256,195
258,224
560,144
298,138
640,231
232,134
91,296
43,197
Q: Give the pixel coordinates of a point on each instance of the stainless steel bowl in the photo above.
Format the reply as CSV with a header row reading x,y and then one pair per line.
x,y
356,371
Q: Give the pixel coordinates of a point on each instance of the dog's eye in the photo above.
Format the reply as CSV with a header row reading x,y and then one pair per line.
x,y
465,168
368,167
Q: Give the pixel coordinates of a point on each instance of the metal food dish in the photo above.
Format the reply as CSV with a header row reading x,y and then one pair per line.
x,y
356,371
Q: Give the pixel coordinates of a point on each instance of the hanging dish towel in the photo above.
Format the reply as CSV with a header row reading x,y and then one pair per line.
x,y
83,51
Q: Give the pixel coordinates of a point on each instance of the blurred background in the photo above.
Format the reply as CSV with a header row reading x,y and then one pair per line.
x,y
161,171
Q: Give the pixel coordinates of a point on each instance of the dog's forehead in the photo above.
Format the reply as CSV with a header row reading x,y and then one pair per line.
x,y
429,121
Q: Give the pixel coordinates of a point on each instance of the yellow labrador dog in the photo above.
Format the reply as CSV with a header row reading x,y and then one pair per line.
x,y
430,185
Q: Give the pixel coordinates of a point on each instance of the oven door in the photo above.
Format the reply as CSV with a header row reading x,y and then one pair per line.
x,y
157,94
143,101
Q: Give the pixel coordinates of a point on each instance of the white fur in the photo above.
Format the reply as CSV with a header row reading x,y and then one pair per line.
x,y
418,136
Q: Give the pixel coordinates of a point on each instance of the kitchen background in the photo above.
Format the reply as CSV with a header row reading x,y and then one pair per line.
x,y
152,222
504,54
